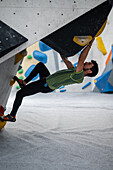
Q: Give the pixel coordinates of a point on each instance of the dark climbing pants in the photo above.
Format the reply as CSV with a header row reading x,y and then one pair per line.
x,y
32,88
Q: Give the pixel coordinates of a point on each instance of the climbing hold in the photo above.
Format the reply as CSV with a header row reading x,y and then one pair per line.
x,y
63,90
40,56
100,45
95,81
21,77
61,87
82,40
20,71
17,87
45,85
12,82
86,85
29,57
43,47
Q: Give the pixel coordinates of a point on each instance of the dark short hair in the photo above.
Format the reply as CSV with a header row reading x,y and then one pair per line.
x,y
94,69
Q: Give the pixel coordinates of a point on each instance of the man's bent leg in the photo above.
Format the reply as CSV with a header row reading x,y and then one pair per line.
x,y
39,68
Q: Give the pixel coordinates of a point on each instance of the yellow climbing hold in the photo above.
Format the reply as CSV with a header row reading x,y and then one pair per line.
x,y
95,81
82,40
12,82
100,45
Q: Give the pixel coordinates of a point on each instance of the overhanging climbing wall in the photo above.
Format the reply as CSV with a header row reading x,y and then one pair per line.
x,y
88,24
36,19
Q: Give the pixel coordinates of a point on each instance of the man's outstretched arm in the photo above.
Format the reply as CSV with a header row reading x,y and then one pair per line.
x,y
67,62
83,56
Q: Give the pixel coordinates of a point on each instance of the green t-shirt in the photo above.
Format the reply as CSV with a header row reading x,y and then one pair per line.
x,y
64,77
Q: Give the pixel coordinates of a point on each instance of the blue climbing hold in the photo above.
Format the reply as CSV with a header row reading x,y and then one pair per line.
x,y
45,85
43,47
29,71
61,87
86,85
63,90
42,57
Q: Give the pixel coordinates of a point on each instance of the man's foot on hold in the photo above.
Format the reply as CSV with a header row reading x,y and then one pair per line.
x,y
8,118
20,82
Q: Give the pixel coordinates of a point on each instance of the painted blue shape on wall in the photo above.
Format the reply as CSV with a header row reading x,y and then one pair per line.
x,y
112,53
43,47
42,57
108,88
102,80
79,52
29,71
75,65
86,85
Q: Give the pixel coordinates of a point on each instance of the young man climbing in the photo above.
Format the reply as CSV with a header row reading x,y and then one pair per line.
x,y
49,83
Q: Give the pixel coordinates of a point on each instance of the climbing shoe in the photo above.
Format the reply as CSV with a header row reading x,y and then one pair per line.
x,y
19,81
8,118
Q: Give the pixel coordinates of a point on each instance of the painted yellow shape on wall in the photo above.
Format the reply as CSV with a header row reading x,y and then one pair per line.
x,y
82,40
100,45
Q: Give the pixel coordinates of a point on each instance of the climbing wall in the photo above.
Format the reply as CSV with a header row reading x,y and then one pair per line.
x,y
106,65
7,70
104,83
101,52
38,52
36,19
32,21
71,38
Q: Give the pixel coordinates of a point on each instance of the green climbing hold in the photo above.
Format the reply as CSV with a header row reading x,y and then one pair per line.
x,y
20,71
29,57
21,77
17,87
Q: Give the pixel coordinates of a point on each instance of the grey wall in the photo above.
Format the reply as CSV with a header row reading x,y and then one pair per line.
x,y
7,71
